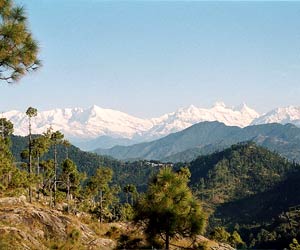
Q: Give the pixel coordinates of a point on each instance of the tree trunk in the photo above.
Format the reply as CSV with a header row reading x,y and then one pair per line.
x,y
50,202
38,174
68,193
101,206
30,161
132,198
55,173
167,241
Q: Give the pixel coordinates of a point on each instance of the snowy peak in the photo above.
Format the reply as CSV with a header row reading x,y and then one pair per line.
x,y
80,123
290,114
219,104
93,122
186,117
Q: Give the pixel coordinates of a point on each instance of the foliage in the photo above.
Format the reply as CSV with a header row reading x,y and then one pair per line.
x,y
294,245
126,212
128,242
238,172
136,173
168,208
221,235
6,128
11,178
262,215
70,181
130,189
102,197
18,50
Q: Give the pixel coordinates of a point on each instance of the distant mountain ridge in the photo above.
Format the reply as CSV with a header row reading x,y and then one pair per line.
x,y
290,114
107,127
95,127
208,137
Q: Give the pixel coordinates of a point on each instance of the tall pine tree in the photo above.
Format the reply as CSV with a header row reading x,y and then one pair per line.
x,y
18,50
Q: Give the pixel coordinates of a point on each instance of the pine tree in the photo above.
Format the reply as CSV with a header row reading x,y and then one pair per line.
x,y
18,50
67,144
6,129
168,208
40,146
70,178
100,192
130,189
10,176
31,112
56,139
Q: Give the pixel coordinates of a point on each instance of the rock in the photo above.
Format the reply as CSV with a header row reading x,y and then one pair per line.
x,y
32,226
212,245
103,244
10,201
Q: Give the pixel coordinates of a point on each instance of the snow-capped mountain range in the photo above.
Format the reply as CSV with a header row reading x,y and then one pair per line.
x,y
290,114
87,124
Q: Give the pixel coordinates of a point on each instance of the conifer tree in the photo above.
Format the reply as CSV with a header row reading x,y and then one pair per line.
x,y
10,176
18,50
168,208
67,144
40,146
56,139
130,189
31,112
6,129
70,178
99,190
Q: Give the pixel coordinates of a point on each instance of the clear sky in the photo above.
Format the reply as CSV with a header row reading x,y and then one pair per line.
x,y
148,58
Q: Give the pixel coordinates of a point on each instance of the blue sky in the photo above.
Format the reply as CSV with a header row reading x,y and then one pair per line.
x,y
148,58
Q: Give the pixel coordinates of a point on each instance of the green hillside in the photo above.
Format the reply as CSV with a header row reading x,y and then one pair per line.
x,y
252,190
270,219
137,172
237,172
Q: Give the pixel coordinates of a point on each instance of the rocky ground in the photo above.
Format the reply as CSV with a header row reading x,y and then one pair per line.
x,y
32,226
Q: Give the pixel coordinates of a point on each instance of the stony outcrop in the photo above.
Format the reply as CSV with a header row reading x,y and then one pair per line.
x,y
31,226
25,226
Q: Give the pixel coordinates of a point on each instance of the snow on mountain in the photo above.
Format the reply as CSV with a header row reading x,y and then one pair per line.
x,y
93,122
185,117
290,114
81,123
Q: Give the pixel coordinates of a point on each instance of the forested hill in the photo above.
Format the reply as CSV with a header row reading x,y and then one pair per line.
x,y
267,220
254,191
137,172
207,137
238,172
85,161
